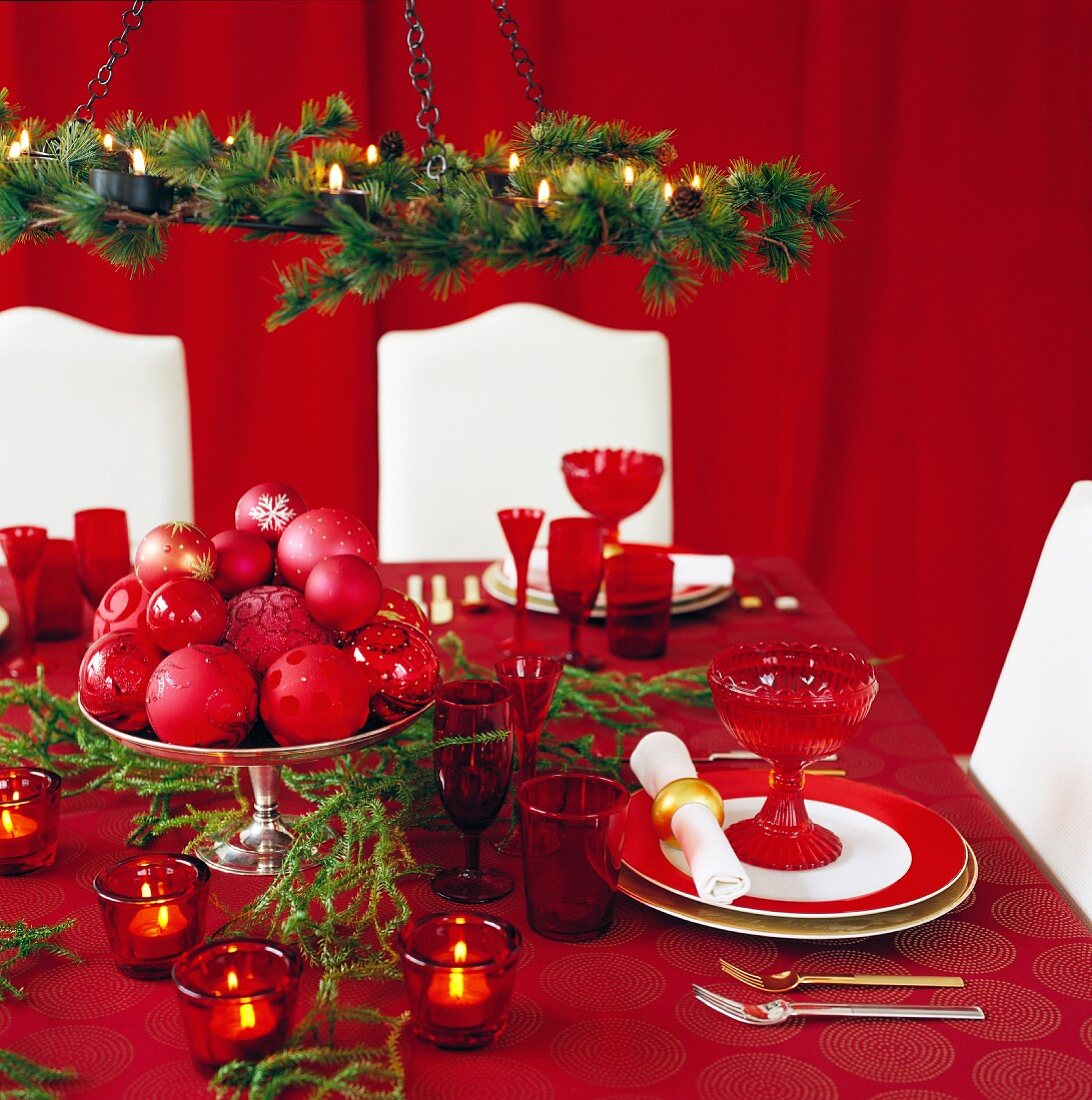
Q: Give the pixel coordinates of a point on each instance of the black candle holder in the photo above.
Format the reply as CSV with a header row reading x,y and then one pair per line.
x,y
143,194
358,200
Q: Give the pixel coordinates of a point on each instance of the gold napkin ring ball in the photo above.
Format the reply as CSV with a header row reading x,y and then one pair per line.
x,y
679,793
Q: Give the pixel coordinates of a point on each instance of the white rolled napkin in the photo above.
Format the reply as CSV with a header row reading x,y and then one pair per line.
x,y
691,570
661,758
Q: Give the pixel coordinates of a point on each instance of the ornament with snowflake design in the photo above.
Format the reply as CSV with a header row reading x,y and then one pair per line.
x,y
267,509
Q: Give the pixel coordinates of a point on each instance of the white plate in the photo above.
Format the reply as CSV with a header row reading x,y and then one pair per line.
x,y
5,621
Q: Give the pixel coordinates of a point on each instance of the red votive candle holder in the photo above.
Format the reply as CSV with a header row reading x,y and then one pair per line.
x,y
237,999
153,907
639,589
29,808
460,970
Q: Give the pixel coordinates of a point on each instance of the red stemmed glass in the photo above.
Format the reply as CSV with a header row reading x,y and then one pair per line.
x,y
532,682
612,484
473,776
521,527
101,539
23,547
576,572
790,704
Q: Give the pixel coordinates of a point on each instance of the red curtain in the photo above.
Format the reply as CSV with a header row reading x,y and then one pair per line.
x,y
905,420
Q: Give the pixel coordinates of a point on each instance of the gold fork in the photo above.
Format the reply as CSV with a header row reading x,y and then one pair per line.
x,y
789,979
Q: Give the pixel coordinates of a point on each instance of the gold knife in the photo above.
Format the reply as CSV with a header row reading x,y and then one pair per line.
x,y
441,610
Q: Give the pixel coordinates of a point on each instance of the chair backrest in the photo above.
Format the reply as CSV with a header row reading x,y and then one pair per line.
x,y
1034,754
91,419
475,416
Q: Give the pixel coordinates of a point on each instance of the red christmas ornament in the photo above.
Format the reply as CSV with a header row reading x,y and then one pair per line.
x,y
122,607
202,695
320,534
186,612
399,607
268,621
312,694
343,593
114,677
243,561
403,667
267,509
172,551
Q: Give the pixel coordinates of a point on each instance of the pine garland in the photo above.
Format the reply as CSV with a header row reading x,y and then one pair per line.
x,y
764,215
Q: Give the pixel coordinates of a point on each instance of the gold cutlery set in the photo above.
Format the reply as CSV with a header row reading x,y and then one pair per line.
x,y
440,608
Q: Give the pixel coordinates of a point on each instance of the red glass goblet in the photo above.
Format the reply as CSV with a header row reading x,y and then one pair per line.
x,y
521,527
612,485
576,572
790,704
101,538
472,774
23,548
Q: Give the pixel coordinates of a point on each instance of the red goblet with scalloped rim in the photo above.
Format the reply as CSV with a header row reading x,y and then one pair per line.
x,y
612,484
790,704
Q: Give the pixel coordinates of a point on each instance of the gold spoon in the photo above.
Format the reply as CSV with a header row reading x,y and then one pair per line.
x,y
785,980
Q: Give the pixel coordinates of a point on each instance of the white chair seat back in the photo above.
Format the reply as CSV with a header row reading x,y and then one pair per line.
x,y
475,416
91,418
1034,754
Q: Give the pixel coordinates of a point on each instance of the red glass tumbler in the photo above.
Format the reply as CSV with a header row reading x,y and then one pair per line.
x,y
23,548
612,484
460,971
29,809
576,572
101,538
573,827
153,907
521,527
237,998
639,588
59,603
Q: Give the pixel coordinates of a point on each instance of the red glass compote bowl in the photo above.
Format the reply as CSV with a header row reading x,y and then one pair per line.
x,y
790,704
576,572
612,485
521,527
23,548
472,772
101,540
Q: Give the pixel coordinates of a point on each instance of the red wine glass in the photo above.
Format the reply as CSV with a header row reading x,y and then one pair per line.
x,y
472,776
23,548
532,682
612,484
101,539
791,704
521,527
576,572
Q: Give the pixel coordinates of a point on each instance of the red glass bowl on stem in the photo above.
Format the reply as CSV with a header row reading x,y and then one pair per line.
x,y
576,572
521,527
790,704
23,548
612,484
101,539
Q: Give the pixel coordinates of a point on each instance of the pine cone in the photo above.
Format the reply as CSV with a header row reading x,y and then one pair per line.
x,y
392,145
666,153
686,202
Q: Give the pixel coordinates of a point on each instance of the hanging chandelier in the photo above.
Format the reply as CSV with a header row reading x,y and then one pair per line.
x,y
562,191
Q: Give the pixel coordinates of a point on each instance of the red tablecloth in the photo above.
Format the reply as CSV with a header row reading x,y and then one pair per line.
x,y
615,1017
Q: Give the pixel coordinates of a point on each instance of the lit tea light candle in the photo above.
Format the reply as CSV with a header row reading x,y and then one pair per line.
x,y
340,195
628,175
668,191
230,139
15,151
460,997
513,162
371,154
28,819
696,182
24,140
140,167
108,143
17,833
543,193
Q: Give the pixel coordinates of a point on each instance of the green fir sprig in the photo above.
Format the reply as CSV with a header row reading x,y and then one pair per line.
x,y
28,1080
19,941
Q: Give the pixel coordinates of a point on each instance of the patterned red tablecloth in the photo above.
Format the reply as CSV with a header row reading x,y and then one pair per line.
x,y
615,1017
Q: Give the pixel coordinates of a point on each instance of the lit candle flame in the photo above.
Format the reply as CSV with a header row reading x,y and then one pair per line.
x,y
14,151
24,139
668,192
371,154
456,982
5,817
232,981
162,918
246,1015
108,142
696,182
543,199
145,889
337,178
513,162
628,175
139,166
230,139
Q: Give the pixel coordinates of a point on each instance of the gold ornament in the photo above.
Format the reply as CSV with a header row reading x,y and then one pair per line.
x,y
679,793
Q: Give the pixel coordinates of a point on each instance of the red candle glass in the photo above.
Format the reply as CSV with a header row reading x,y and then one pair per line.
x,y
101,538
612,484
639,588
576,572
460,970
153,907
60,600
23,548
29,808
237,998
521,527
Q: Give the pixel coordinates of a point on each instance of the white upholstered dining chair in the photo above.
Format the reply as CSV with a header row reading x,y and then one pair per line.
x,y
91,419
475,416
1033,757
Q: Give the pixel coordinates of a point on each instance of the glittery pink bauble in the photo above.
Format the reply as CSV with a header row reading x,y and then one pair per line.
x,y
243,561
399,607
202,695
312,694
174,550
320,534
402,664
114,677
343,593
268,621
186,612
121,608
267,509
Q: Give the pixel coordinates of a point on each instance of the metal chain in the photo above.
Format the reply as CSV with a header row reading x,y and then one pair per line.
x,y
525,67
98,86
420,72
